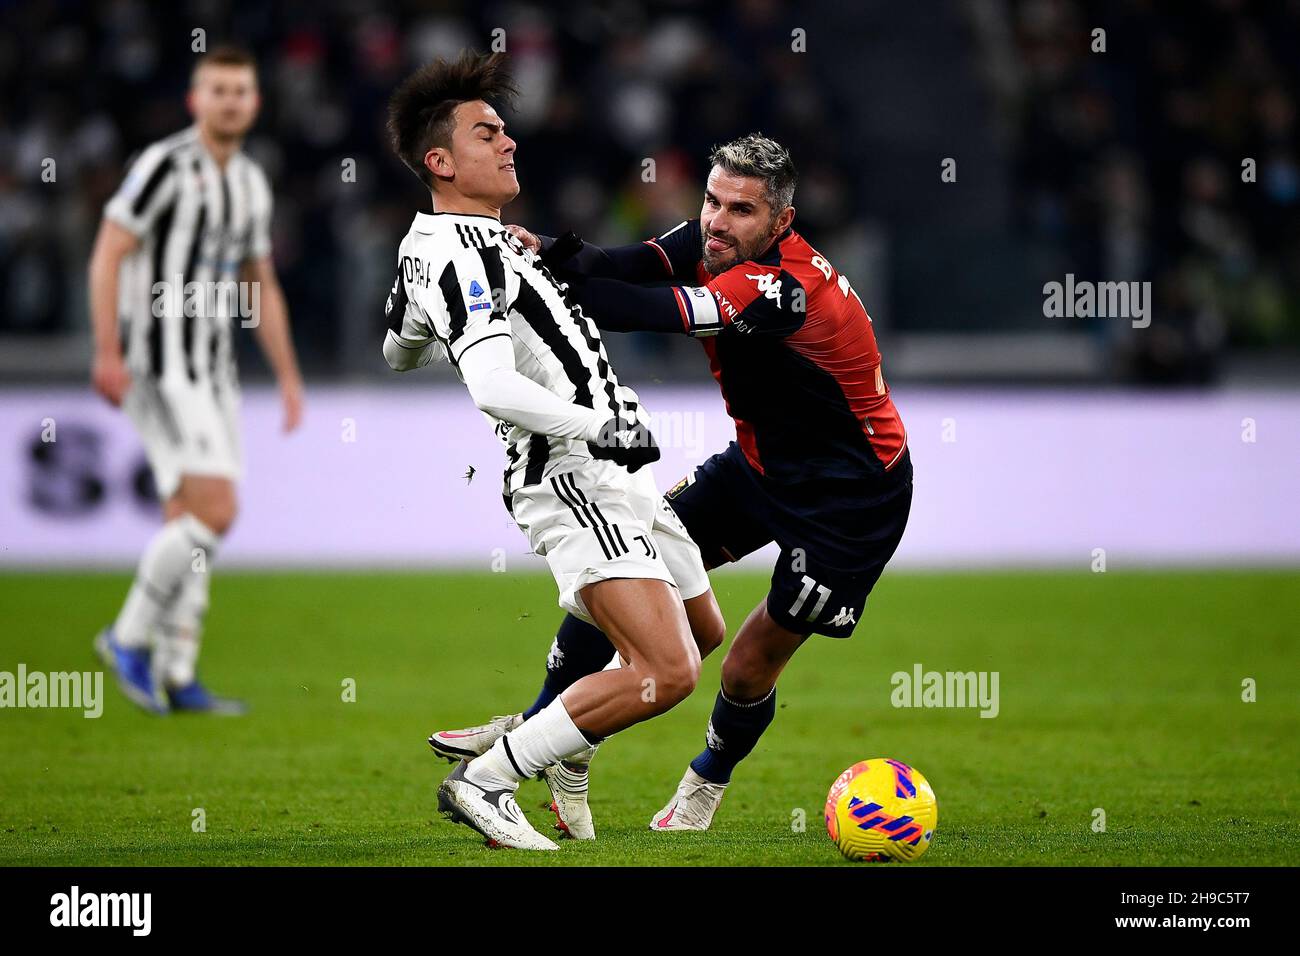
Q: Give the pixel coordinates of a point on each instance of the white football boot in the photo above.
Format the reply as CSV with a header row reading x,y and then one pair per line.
x,y
493,813
692,806
567,781
471,742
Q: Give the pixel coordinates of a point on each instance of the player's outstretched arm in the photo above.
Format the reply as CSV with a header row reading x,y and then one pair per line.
x,y
488,370
750,297
272,330
623,307
108,373
672,255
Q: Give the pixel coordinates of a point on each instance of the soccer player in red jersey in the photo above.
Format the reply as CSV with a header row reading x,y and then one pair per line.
x,y
820,462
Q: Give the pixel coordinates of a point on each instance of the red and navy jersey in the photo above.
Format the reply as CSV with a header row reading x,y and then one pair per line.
x,y
794,353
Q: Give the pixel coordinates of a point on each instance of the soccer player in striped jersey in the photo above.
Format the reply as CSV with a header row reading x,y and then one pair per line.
x,y
577,440
820,462
182,255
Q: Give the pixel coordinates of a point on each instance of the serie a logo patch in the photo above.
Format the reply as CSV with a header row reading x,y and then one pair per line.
x,y
477,297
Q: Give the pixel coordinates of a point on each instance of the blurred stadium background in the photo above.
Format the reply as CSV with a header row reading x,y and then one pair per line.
x,y
1122,165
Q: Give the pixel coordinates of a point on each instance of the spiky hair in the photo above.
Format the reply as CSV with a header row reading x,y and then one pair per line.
x,y
766,159
421,110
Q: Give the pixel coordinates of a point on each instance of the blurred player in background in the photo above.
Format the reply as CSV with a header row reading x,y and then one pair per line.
x,y
576,440
183,253
820,462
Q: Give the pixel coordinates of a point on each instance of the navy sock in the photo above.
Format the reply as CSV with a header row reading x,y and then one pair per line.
x,y
734,729
579,649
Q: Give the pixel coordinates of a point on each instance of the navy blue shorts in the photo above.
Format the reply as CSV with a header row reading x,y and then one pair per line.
x,y
836,535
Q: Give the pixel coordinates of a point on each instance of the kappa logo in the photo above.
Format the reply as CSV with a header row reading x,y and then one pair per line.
x,y
768,285
392,294
711,738
555,659
846,616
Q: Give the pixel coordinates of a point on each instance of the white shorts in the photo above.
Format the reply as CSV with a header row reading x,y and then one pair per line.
x,y
596,522
187,429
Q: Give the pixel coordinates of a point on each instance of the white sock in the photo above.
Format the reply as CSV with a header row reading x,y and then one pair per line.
x,y
535,744
181,630
179,546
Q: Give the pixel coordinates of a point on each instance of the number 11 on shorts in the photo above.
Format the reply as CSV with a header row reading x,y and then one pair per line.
x,y
823,594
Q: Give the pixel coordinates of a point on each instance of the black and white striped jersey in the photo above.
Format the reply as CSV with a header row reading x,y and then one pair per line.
x,y
463,279
179,292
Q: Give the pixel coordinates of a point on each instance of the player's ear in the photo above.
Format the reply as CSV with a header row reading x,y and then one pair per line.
x,y
784,220
439,162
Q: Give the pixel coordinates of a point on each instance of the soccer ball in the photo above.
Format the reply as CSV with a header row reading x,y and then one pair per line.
x,y
881,810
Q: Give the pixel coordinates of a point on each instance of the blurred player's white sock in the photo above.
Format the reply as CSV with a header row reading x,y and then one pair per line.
x,y
537,743
168,559
181,630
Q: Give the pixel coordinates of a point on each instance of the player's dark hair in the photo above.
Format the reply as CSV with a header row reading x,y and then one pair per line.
x,y
224,55
420,112
766,159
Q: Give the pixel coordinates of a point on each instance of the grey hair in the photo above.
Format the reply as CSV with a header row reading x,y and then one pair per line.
x,y
766,159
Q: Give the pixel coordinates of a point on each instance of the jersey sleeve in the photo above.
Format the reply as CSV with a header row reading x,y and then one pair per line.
x,y
746,299
151,185
468,301
679,250
410,343
667,258
259,245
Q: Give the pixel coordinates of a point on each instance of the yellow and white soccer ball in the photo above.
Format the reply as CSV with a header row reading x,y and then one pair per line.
x,y
881,810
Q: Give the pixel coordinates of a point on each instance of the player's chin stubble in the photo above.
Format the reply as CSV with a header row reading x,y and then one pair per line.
x,y
737,253
716,265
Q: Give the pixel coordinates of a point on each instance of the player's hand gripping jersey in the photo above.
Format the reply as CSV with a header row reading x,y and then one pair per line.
x,y
788,340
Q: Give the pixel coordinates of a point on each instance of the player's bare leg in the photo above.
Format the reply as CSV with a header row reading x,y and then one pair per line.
x,y
568,779
579,649
758,655
708,628
646,622
744,708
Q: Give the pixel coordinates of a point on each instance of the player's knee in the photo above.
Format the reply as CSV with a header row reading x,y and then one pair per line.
x,y
674,681
710,633
218,511
746,674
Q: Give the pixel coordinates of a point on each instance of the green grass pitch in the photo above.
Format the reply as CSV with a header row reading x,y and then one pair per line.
x,y
1120,691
